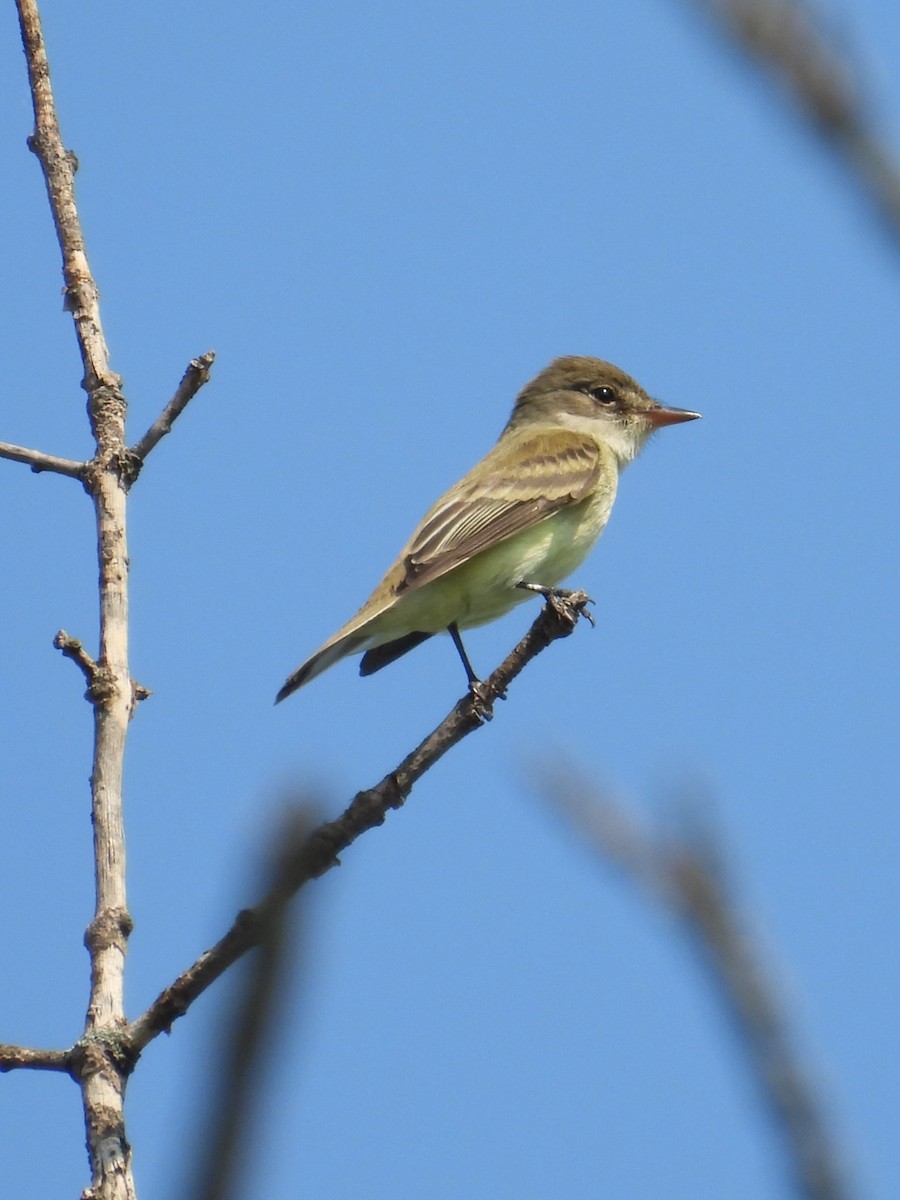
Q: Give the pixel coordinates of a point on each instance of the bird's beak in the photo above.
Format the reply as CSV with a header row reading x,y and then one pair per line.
x,y
660,415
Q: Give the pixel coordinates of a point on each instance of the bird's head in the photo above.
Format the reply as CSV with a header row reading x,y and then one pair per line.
x,y
596,398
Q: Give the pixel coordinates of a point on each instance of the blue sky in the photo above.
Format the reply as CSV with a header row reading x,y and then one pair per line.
x,y
385,219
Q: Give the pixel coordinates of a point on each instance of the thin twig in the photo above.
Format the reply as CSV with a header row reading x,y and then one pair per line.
x,y
786,38
27,1058
689,879
42,462
192,381
367,810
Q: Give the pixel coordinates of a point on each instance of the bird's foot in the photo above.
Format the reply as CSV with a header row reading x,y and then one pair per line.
x,y
483,695
566,603
482,700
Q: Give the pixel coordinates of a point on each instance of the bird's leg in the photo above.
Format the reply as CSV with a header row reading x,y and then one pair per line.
x,y
453,630
562,600
482,694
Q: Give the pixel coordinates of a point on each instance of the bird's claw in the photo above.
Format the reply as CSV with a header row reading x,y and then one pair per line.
x,y
566,603
569,604
482,700
483,694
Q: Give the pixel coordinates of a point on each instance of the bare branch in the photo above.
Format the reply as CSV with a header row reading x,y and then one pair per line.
x,y
73,649
367,810
689,879
42,462
102,1074
191,382
786,38
14,1058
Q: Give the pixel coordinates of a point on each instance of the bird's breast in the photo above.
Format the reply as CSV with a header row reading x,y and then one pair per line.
x,y
484,588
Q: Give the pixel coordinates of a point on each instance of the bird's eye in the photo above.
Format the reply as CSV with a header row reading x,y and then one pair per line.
x,y
605,395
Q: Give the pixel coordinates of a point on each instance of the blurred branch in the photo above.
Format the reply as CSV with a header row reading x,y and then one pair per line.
x,y
367,810
786,38
219,1166
688,878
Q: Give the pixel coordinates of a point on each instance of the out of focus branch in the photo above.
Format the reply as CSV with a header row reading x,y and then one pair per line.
x,y
688,878
787,40
219,1168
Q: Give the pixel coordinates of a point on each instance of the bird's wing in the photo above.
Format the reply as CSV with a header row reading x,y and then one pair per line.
x,y
526,482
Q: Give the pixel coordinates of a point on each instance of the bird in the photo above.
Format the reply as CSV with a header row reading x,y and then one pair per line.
x,y
520,522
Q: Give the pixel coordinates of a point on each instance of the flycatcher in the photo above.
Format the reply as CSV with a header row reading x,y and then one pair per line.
x,y
521,520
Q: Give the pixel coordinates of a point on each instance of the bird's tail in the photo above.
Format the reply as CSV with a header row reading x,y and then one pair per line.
x,y
329,654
